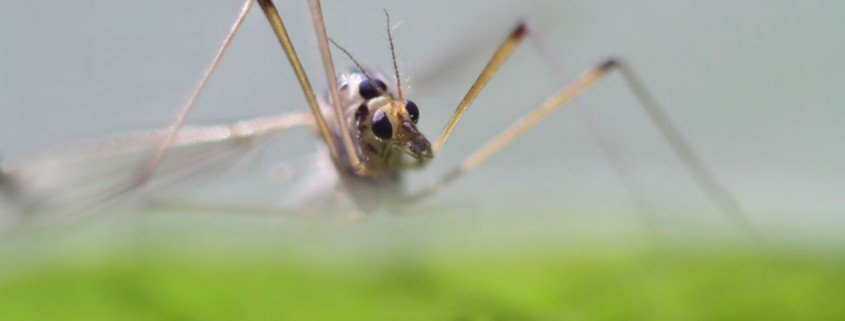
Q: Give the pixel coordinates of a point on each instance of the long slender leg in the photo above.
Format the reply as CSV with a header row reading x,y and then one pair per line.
x,y
689,158
169,135
328,66
582,83
502,53
282,34
693,164
167,139
278,27
610,150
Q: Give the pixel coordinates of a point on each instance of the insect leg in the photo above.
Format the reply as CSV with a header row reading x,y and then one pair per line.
x,y
527,121
281,33
169,135
692,163
610,150
331,76
502,53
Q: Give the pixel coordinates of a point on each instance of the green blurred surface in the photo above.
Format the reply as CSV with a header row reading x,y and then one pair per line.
x,y
645,284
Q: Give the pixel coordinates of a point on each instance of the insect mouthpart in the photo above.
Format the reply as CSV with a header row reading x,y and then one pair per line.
x,y
414,143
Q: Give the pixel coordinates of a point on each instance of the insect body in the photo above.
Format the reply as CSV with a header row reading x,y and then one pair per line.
x,y
384,130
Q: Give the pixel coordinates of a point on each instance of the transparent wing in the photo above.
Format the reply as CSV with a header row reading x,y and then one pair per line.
x,y
85,171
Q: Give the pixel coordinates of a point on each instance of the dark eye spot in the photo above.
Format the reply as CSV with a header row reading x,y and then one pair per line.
x,y
366,89
381,125
361,113
413,110
361,116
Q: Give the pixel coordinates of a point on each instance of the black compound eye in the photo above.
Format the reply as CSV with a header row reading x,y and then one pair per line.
x,y
366,89
381,125
413,110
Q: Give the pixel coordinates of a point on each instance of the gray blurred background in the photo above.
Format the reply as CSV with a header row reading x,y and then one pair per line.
x,y
754,85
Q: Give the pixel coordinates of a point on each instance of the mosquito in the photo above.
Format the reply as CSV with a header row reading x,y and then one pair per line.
x,y
365,122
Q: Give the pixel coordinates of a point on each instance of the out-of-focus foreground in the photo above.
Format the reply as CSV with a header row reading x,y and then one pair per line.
x,y
431,266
